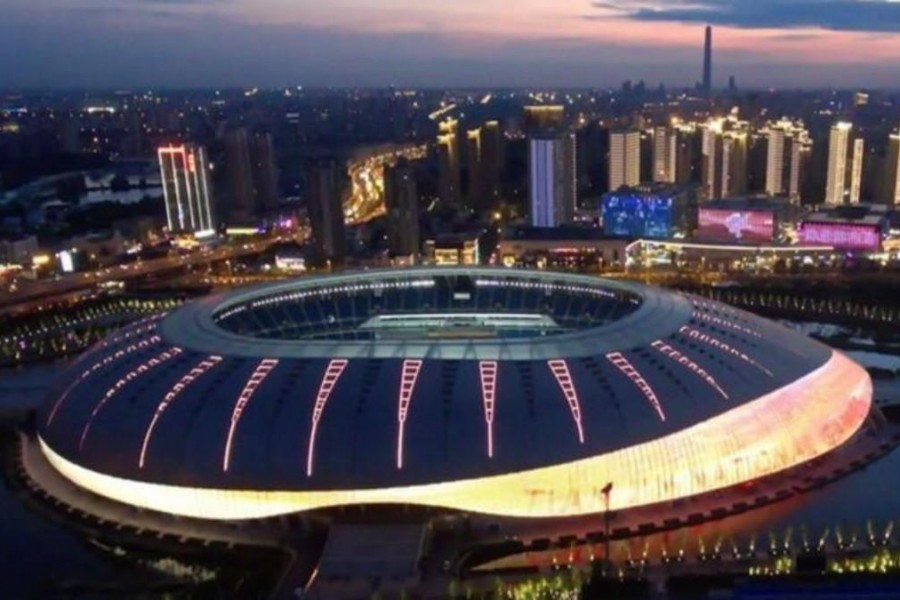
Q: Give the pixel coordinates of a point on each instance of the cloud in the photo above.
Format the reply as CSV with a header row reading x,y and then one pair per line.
x,y
836,15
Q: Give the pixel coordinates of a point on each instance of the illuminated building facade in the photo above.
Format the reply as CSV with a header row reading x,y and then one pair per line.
x,y
665,155
624,159
453,250
890,192
448,161
845,161
787,155
724,163
187,192
519,394
551,179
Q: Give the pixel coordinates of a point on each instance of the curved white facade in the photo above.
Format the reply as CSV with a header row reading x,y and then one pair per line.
x,y
782,429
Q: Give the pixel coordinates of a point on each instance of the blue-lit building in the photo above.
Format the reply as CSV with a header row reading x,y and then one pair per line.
x,y
652,211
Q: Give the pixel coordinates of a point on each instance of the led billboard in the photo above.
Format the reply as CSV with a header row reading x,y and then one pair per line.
x,y
748,226
635,215
842,236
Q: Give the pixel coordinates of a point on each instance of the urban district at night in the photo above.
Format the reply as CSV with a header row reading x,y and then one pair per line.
x,y
566,300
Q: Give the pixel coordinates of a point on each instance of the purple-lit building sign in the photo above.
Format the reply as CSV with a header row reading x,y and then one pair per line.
x,y
842,236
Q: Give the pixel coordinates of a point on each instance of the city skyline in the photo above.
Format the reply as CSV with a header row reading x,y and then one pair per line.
x,y
773,43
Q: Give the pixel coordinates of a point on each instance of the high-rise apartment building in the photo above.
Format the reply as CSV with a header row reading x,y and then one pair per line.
x,y
844,177
551,179
186,187
724,151
326,212
890,192
787,154
475,170
551,166
624,159
448,161
402,203
665,155
251,175
492,159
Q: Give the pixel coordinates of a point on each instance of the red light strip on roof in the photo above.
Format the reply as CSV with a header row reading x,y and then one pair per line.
x,y
408,378
98,365
717,321
560,370
683,360
129,377
719,344
329,380
488,371
621,363
259,375
202,367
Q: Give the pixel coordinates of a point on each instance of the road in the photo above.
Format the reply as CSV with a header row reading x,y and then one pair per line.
x,y
366,200
28,292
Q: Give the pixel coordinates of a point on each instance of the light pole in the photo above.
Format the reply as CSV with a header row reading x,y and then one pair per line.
x,y
606,491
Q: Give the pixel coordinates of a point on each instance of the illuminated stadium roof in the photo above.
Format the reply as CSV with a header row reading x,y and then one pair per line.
x,y
497,391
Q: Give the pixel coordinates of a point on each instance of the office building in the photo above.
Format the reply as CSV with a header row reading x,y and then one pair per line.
x,y
448,161
326,212
184,172
844,175
402,203
624,159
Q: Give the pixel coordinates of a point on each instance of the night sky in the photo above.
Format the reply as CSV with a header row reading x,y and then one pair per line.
x,y
192,43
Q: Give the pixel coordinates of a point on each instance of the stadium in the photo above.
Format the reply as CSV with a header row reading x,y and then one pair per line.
x,y
512,394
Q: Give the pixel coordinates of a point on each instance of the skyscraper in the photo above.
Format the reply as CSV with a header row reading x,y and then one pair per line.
x,y
724,151
856,166
186,188
326,212
252,176
402,203
475,170
890,192
665,155
624,159
264,172
448,161
492,161
551,179
707,63
844,177
787,153
551,166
